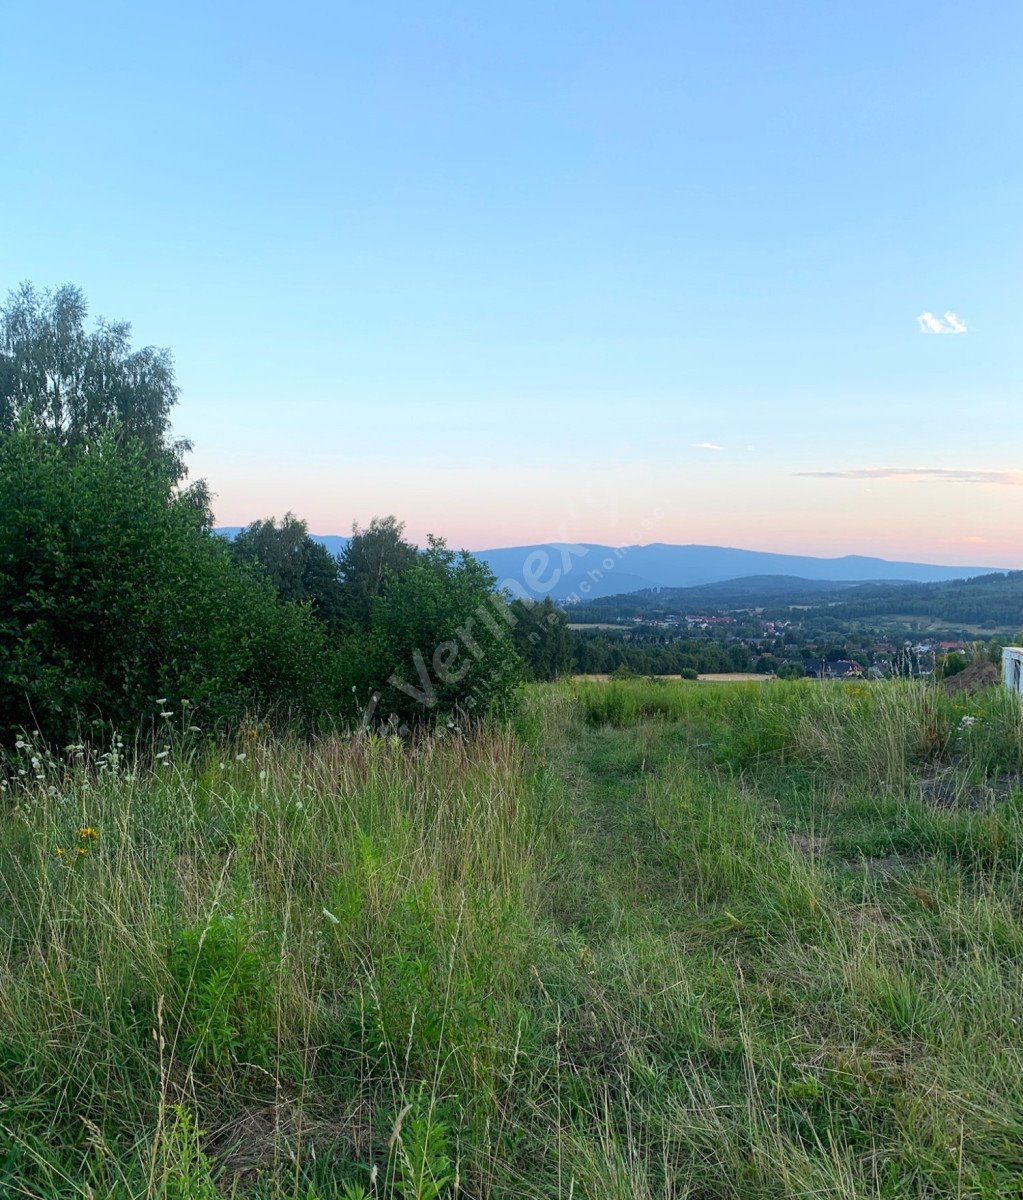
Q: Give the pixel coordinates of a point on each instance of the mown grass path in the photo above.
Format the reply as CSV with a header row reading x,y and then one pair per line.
x,y
804,986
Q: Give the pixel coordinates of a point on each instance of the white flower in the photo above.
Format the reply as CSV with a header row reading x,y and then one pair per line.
x,y
162,701
262,776
166,714
241,757
163,754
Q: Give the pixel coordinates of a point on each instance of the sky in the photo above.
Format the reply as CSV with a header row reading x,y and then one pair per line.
x,y
718,272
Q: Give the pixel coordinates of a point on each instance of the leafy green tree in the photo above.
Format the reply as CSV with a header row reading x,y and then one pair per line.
x,y
372,558
77,385
113,598
951,664
440,645
542,638
301,570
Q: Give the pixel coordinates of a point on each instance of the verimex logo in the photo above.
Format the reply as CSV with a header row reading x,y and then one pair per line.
x,y
545,567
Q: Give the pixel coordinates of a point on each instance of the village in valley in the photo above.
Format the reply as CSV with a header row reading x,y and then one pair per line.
x,y
808,641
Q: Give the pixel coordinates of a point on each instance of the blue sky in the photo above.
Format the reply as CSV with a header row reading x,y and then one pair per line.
x,y
507,271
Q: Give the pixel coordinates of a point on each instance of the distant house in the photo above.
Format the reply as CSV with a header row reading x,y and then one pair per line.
x,y
846,668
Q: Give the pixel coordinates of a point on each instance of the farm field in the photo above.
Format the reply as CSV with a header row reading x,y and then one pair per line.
x,y
649,939
713,677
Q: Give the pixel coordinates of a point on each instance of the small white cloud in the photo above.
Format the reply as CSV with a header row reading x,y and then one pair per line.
x,y
706,446
950,323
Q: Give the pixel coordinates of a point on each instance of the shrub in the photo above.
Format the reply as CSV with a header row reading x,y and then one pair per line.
x,y
113,598
440,643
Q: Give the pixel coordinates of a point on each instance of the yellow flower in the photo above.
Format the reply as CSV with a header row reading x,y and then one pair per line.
x,y
79,851
88,834
59,853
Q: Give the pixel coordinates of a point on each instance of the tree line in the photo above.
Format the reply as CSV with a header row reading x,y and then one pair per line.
x,y
118,601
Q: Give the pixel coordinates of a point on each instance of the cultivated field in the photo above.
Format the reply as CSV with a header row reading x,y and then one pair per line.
x,y
653,940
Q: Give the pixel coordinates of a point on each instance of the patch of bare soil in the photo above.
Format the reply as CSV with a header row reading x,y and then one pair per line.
x,y
867,916
977,676
808,846
952,791
734,677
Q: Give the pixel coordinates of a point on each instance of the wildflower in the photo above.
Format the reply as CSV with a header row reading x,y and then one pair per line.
x,y
20,745
223,766
967,722
80,851
262,776
194,729
241,757
163,754
88,834
59,852
162,701
166,714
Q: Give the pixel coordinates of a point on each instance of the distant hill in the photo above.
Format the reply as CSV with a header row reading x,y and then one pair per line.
x,y
755,591
994,599
588,571
989,601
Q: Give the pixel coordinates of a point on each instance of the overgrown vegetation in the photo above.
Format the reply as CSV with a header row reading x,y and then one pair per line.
x,y
656,939
116,598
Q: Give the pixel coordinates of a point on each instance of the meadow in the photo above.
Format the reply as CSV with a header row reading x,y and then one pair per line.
x,y
646,939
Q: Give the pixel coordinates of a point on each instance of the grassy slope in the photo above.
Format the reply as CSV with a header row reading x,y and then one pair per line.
x,y
668,940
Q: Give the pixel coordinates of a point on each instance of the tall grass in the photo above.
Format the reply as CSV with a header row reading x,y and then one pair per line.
x,y
658,940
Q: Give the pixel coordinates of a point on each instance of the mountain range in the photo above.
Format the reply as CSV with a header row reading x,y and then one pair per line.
x,y
587,571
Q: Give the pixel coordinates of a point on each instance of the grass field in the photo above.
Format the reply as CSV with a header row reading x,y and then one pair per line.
x,y
654,940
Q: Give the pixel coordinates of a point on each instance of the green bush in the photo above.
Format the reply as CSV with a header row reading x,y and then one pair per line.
x,y
115,599
440,644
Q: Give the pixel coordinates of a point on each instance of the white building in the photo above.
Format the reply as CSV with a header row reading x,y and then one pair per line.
x,y
1012,668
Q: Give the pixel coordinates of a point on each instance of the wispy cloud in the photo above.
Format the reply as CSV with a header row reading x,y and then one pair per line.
x,y
706,446
950,323
911,474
